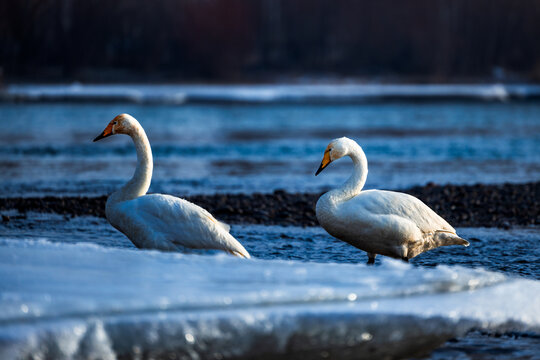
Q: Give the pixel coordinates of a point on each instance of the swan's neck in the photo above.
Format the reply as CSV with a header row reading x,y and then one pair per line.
x,y
356,181
140,182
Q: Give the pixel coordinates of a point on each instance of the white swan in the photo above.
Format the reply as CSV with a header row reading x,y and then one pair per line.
x,y
376,221
158,221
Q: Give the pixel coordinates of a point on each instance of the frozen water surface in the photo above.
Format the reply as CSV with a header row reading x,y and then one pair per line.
x,y
268,93
83,300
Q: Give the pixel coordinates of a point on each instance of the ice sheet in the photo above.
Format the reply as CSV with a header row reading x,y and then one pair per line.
x,y
179,94
82,300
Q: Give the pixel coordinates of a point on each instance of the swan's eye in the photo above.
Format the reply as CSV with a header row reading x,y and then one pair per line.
x,y
116,122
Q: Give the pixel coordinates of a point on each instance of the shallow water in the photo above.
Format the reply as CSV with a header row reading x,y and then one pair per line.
x,y
513,251
47,148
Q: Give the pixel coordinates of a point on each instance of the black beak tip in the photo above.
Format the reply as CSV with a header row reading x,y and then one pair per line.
x,y
99,137
321,168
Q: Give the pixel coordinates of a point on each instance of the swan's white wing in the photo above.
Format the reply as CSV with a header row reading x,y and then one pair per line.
x,y
393,224
155,220
407,207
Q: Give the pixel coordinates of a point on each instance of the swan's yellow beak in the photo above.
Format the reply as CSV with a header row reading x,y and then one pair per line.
x,y
325,161
107,132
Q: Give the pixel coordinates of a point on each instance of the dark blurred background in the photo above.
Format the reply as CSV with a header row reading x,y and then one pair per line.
x,y
270,40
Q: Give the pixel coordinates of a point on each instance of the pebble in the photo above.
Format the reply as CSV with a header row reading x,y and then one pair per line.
x,y
479,205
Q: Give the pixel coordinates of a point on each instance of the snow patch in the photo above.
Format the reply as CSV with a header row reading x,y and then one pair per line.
x,y
86,301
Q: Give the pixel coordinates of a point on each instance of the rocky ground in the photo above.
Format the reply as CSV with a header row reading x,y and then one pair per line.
x,y
462,205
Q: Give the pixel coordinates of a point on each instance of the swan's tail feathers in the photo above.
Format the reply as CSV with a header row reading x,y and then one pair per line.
x,y
233,246
445,238
221,224
225,226
244,254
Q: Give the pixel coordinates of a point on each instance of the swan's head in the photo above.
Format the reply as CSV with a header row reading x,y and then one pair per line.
x,y
337,149
121,124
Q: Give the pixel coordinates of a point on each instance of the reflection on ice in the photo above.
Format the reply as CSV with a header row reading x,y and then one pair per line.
x,y
68,300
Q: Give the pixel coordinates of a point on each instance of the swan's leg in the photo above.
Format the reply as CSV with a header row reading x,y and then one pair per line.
x,y
371,258
405,259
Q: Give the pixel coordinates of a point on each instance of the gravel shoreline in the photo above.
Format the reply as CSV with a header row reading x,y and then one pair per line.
x,y
478,205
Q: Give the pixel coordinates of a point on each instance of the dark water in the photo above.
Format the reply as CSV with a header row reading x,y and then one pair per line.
x,y
47,148
485,346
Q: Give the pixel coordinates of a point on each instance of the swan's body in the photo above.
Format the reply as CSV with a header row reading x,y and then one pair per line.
x,y
157,221
376,221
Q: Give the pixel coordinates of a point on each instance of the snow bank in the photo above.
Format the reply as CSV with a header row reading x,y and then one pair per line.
x,y
86,301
